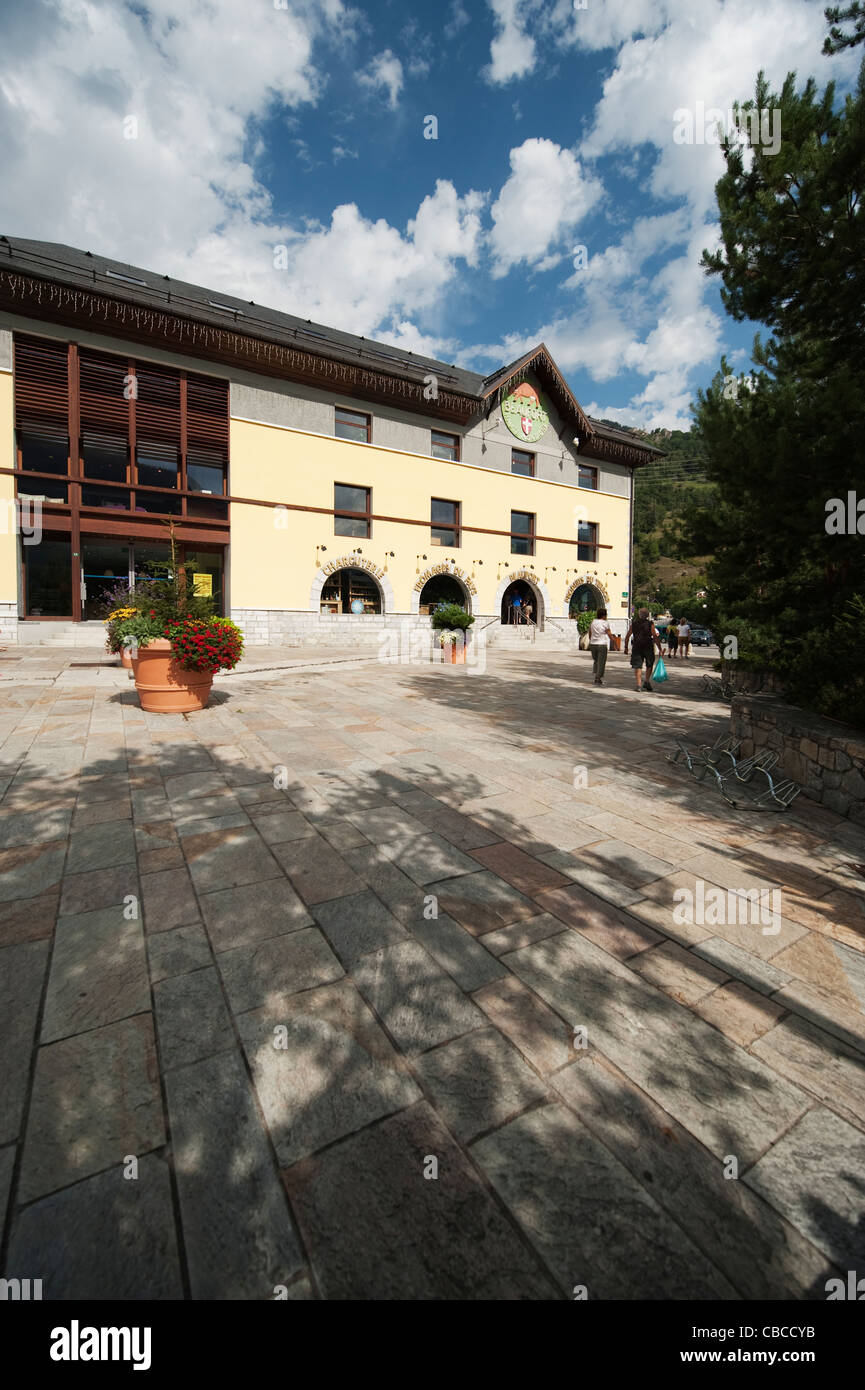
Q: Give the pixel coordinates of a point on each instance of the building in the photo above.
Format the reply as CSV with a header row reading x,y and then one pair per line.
x,y
321,486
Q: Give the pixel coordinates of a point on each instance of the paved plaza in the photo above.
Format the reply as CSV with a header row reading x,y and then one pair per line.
x,y
369,981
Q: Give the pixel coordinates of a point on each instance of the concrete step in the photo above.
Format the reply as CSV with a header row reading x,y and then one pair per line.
x,y
36,634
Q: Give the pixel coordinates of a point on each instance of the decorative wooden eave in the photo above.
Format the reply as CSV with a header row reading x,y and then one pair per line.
x,y
52,301
540,361
616,451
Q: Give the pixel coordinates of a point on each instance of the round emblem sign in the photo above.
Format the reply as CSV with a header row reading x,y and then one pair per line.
x,y
524,414
357,605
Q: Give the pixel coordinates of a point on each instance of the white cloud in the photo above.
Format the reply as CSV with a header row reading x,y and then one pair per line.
x,y
384,74
545,195
357,273
512,51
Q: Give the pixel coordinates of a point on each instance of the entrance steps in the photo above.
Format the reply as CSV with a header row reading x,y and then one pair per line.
x,y
525,639
41,634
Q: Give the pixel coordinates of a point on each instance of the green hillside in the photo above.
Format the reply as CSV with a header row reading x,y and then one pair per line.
x,y
666,575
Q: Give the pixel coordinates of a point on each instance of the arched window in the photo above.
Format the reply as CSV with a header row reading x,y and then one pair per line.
x,y
584,598
442,588
350,591
520,603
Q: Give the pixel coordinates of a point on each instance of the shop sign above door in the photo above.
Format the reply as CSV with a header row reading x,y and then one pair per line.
x,y
525,415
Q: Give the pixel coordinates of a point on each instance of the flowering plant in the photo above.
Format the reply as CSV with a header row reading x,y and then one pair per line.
x,y
209,644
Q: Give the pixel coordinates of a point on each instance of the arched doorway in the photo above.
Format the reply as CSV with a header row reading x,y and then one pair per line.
x,y
584,598
513,612
350,591
442,588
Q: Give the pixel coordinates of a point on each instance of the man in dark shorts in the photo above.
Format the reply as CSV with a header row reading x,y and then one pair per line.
x,y
672,637
646,644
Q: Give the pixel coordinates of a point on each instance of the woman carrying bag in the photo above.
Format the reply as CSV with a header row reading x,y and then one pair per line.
x,y
646,643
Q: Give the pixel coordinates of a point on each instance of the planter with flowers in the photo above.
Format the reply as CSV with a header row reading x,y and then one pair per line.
x,y
451,624
175,667
176,644
115,632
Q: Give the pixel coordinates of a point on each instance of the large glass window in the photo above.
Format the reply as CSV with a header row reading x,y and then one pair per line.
x,y
114,498
205,476
352,424
105,457
522,533
204,575
158,465
44,450
352,509
48,578
444,522
587,548
350,591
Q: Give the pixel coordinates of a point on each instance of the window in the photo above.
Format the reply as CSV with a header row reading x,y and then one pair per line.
x,y
522,463
158,466
104,457
522,533
587,537
445,446
588,476
48,578
444,522
352,424
352,507
44,449
205,476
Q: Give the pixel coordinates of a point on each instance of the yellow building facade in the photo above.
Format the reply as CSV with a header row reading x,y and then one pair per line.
x,y
321,487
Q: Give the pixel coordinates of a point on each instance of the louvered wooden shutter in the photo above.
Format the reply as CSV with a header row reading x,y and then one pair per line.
x,y
157,406
41,387
207,419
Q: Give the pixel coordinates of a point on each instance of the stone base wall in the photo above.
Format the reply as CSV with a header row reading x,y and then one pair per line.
x,y
263,627
825,756
8,623
272,627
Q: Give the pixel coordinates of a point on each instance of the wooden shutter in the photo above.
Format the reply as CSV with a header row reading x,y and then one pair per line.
x,y
157,405
207,419
41,387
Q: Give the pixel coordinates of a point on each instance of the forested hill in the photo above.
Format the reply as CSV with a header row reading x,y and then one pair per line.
x,y
665,574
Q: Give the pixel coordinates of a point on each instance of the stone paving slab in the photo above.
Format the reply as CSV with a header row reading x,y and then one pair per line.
x,y
98,973
95,1100
239,1238
813,1176
22,972
725,1097
762,1255
322,1068
593,1223
280,965
106,1238
478,1082
416,1000
438,1238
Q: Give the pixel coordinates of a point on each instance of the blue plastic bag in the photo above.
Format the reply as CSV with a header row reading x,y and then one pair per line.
x,y
660,672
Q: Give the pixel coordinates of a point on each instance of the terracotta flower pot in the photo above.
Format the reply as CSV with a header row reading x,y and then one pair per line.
x,y
164,687
126,658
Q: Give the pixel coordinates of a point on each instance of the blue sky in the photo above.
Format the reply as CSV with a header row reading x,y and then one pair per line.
x,y
275,149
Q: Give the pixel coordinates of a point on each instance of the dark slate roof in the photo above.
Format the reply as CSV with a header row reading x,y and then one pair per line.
x,y
91,270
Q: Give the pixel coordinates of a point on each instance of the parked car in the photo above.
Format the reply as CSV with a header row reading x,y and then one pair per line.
x,y
701,637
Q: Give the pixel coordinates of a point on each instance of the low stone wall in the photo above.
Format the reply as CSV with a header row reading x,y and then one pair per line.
x,y
825,756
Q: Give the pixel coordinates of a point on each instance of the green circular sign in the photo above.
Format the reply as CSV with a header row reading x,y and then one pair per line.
x,y
525,415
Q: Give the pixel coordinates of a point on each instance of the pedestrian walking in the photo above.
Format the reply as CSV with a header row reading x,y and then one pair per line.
x,y
645,643
685,638
672,638
518,609
528,610
600,633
